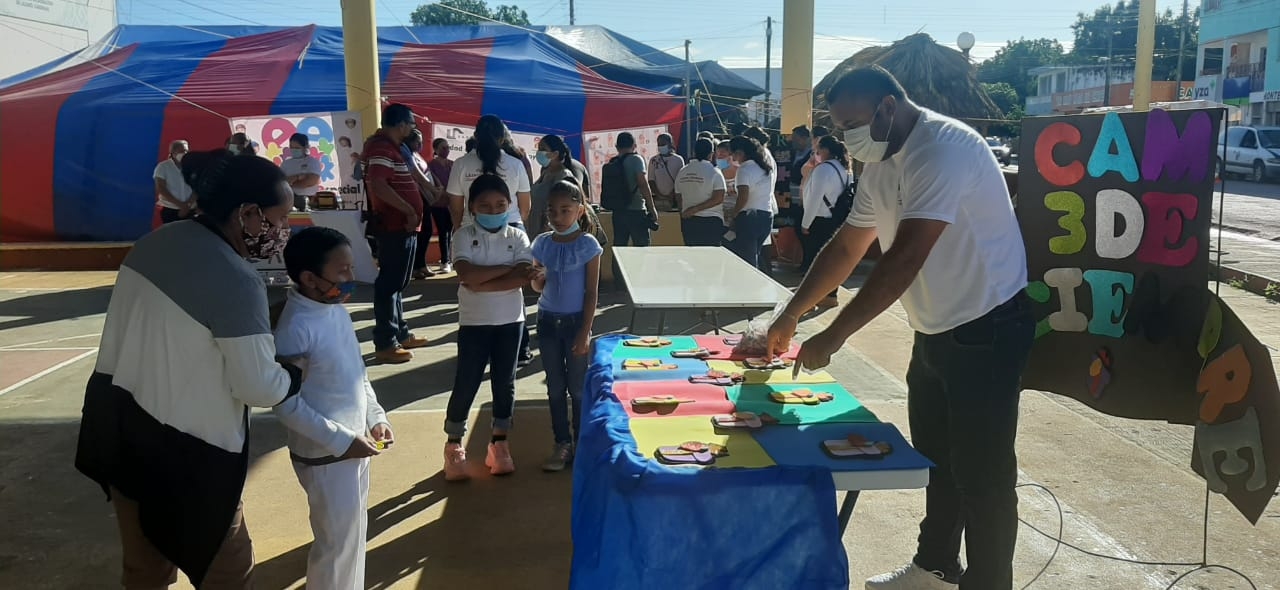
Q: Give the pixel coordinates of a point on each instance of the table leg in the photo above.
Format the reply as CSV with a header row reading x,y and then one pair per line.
x,y
846,509
662,321
632,326
715,320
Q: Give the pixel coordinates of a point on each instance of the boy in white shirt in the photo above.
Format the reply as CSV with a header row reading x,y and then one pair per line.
x,y
334,424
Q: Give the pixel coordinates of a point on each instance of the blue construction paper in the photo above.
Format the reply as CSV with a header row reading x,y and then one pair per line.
x,y
843,408
639,525
801,445
686,368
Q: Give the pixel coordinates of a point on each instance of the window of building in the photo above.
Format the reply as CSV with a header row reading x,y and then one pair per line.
x,y
1212,61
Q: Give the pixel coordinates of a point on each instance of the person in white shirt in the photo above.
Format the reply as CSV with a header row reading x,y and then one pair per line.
x,y
700,190
663,169
173,196
729,167
489,158
752,218
934,196
826,206
335,423
494,262
302,170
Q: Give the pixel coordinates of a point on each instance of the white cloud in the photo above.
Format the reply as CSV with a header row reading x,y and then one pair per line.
x,y
829,52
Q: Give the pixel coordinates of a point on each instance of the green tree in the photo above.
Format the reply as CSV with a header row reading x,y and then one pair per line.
x,y
440,13
1118,24
1010,104
1011,63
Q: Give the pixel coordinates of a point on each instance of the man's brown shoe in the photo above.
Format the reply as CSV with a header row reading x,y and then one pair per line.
x,y
393,356
413,342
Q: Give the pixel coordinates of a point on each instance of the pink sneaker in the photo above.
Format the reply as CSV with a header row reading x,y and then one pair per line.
x,y
455,462
499,459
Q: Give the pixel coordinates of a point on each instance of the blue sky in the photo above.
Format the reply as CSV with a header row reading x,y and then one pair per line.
x,y
729,32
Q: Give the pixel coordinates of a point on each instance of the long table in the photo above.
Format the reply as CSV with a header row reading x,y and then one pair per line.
x,y
762,516
665,278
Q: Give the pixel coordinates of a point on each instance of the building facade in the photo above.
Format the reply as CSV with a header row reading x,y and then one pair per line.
x,y
1071,89
1238,42
35,32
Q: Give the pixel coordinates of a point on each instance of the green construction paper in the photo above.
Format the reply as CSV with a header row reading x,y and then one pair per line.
x,y
843,408
639,352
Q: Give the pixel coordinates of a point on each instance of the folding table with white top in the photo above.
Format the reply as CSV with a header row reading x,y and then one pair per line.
x,y
694,278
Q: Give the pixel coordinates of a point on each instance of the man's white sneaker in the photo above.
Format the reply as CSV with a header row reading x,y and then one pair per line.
x,y
910,577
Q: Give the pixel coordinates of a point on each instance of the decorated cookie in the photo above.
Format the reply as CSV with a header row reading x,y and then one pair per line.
x,y
856,446
648,342
718,378
662,404
647,365
800,396
762,364
691,453
737,420
691,353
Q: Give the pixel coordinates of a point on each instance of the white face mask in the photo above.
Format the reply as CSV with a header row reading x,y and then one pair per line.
x,y
862,146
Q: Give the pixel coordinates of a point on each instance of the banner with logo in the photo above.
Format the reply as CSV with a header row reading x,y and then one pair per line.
x,y
1115,211
335,139
457,136
598,148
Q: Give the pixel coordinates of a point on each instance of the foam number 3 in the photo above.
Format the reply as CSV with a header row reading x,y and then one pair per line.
x,y
1072,206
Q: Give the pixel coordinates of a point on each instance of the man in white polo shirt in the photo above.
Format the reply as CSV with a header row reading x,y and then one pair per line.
x,y
302,170
933,194
173,196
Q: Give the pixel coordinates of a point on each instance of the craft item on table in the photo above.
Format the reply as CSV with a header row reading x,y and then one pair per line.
x,y
658,403
647,365
692,353
1100,372
800,396
742,420
856,446
733,340
691,453
720,378
648,342
762,364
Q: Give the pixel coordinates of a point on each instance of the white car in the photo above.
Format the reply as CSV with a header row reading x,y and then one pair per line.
x,y
1000,149
1251,151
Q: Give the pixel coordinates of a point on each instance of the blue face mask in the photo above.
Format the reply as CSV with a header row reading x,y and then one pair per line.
x,y
544,159
340,292
298,152
570,230
491,221
722,164
664,150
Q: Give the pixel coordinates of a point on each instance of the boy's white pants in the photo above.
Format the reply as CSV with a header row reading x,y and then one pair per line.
x,y
337,495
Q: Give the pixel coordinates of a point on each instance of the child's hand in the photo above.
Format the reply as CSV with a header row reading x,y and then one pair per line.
x,y
582,344
360,448
382,433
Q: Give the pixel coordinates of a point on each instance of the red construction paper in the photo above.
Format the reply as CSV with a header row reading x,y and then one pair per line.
x,y
724,352
708,399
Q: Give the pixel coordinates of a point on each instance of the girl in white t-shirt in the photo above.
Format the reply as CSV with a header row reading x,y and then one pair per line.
x,y
752,218
494,263
489,157
700,189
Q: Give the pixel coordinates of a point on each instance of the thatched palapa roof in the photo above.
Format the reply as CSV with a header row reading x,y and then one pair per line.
x,y
935,77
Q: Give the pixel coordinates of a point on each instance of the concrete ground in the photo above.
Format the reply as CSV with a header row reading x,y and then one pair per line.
x,y
1124,486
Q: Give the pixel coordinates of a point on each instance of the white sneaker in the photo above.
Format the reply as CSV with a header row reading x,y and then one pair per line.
x,y
910,577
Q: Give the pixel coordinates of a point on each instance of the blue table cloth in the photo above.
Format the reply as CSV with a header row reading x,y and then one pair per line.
x,y
640,525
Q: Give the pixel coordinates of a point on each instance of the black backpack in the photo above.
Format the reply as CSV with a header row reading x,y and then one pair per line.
x,y
617,192
844,203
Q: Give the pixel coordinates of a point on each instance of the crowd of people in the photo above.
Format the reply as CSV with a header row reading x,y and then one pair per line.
x,y
188,344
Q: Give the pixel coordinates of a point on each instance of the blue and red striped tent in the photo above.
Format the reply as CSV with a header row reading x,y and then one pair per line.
x,y
81,142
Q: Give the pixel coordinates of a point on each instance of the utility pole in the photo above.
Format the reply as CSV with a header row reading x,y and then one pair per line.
x,y
1106,90
571,21
688,135
1146,55
1182,44
768,67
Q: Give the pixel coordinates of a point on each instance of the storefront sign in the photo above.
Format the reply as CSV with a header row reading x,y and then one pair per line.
x,y
1271,96
1115,210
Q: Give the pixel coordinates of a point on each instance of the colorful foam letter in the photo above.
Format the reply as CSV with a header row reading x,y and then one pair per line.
x,y
1104,159
1167,216
1068,318
1224,381
1230,439
1109,289
1054,135
1110,203
1184,157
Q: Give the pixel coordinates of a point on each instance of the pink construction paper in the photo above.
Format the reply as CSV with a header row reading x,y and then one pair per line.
x,y
709,400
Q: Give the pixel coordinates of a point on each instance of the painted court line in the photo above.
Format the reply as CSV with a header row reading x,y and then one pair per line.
x,y
50,370
50,340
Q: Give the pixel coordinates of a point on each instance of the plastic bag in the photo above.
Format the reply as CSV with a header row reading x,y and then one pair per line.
x,y
755,339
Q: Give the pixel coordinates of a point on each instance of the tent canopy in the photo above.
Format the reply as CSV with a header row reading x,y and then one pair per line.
x,y
614,56
91,133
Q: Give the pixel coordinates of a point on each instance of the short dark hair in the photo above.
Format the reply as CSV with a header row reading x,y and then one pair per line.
x,y
435,144
820,131
801,131
625,140
758,134
300,138
470,145
396,114
308,250
702,149
486,183
870,82
666,136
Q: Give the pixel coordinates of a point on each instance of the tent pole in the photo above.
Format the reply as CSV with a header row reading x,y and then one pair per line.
x,y
571,19
1146,55
768,66
688,100
797,63
360,52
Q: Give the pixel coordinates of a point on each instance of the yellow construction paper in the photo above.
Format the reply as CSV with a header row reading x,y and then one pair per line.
x,y
652,433
779,377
